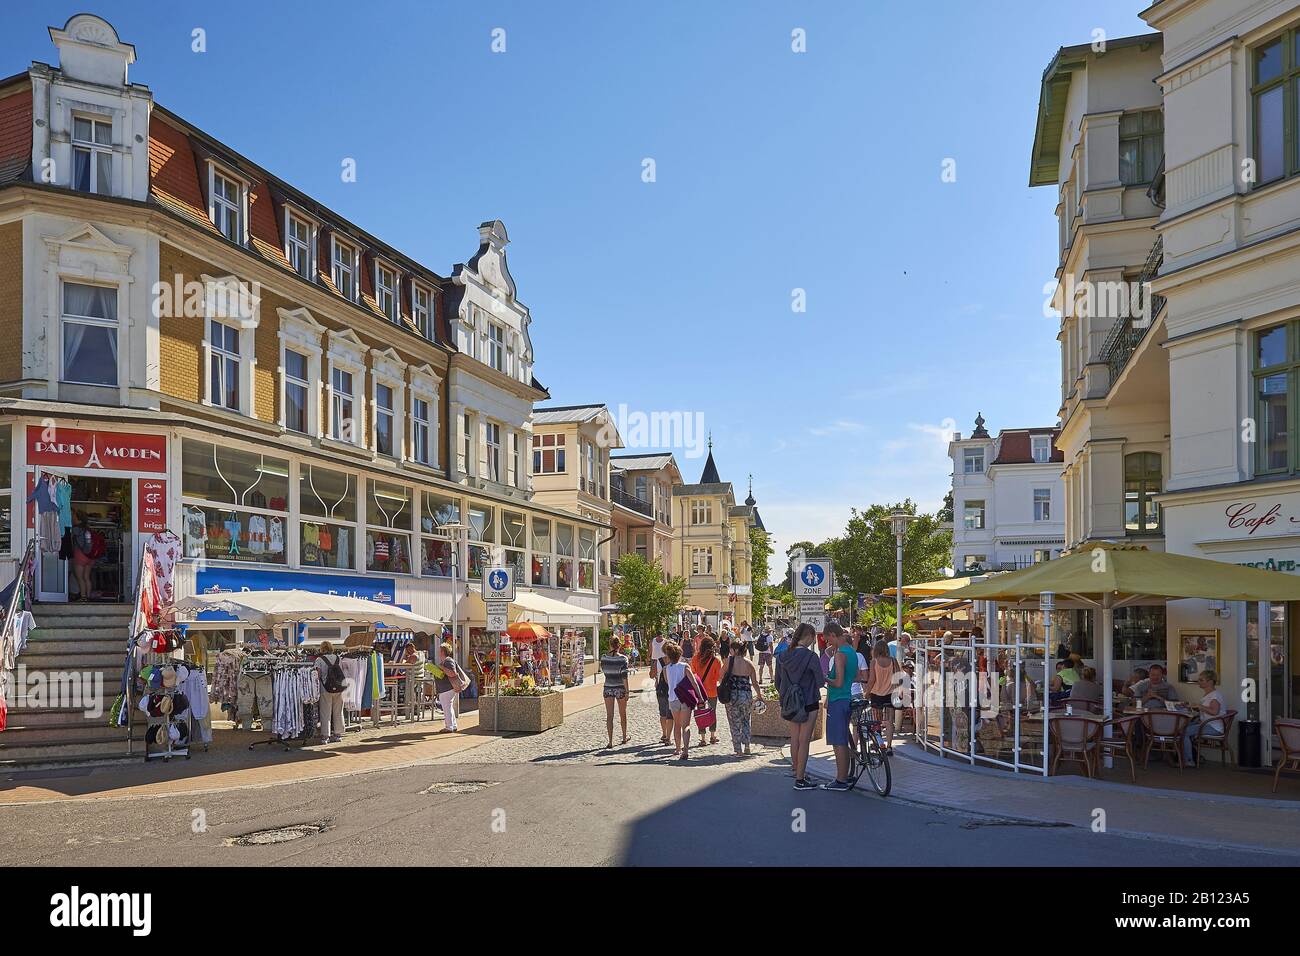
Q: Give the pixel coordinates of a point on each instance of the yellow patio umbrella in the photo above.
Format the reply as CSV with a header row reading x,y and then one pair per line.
x,y
1106,575
929,588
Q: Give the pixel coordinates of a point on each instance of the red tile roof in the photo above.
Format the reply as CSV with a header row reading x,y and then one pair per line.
x,y
174,173
1016,448
15,134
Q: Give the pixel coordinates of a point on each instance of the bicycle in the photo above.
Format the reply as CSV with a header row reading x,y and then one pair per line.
x,y
870,754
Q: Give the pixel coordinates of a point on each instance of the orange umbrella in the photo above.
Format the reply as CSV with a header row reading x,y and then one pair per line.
x,y
527,631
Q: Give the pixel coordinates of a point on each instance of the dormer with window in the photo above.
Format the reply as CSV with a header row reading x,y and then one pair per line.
x,y
228,203
386,291
300,242
345,268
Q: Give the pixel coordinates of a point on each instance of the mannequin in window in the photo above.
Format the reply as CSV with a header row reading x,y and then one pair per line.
x,y
83,546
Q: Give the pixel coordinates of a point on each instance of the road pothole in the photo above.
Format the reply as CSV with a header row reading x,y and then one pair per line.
x,y
458,786
278,834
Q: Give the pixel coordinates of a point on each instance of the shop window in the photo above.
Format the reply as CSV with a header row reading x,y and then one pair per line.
x,y
1143,480
327,505
514,540
587,559
89,334
541,553
482,535
548,454
388,520
6,493
436,512
564,556
234,503
92,155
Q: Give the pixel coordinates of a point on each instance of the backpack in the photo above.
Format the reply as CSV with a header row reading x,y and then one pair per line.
x,y
334,676
793,706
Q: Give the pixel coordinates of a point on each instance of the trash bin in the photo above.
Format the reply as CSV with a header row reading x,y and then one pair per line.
x,y
1248,743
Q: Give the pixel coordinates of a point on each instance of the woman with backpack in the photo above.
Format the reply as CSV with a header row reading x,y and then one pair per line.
x,y
737,690
684,695
332,681
449,685
708,668
799,681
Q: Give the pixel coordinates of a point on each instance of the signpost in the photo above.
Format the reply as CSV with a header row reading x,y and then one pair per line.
x,y
812,582
498,592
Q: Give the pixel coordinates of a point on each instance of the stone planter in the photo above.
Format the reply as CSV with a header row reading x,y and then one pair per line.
x,y
522,715
771,724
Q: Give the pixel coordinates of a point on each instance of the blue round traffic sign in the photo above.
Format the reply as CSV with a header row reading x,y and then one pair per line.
x,y
498,580
813,575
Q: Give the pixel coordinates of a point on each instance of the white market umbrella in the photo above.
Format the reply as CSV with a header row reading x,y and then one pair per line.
x,y
271,609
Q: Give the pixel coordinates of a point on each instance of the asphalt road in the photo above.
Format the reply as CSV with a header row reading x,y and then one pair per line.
x,y
559,798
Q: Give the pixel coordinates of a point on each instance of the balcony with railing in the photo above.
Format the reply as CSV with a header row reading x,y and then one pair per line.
x,y
1129,330
631,501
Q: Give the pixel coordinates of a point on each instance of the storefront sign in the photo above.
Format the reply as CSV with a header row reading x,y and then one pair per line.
x,y
75,448
223,580
1272,564
151,505
1251,516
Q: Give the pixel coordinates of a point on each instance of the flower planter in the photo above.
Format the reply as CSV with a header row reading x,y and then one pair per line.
x,y
771,724
522,715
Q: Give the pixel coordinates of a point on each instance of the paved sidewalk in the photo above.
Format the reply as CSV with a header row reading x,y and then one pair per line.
x,y
1199,819
234,766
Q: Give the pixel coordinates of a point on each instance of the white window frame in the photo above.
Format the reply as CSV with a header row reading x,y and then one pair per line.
x,y
350,262
496,345
308,246
287,381
220,293
226,360
239,208
425,323
696,554
983,514
94,148
492,445
394,311
65,318
387,368
467,453
1042,497
970,455
300,332
347,354
425,387
1043,442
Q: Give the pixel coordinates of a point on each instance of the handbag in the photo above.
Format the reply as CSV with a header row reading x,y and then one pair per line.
x,y
685,691
705,718
724,685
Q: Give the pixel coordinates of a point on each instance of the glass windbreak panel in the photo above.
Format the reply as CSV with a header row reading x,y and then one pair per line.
x,y
1252,656
1278,629
437,511
324,493
1273,436
388,506
233,476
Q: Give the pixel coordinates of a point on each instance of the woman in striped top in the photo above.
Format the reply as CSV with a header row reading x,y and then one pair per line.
x,y
614,666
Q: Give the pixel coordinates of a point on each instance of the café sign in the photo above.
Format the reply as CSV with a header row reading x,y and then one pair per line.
x,y
1250,516
78,449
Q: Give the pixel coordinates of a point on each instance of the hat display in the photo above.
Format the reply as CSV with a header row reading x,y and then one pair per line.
x,y
164,705
169,677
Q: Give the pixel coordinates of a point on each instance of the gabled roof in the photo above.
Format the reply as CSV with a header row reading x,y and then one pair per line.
x,y
566,414
640,462
704,488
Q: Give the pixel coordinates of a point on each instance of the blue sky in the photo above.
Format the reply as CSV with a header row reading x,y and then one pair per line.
x,y
774,171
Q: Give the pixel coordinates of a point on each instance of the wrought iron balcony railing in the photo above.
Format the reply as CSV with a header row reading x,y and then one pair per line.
x,y
1128,331
627,500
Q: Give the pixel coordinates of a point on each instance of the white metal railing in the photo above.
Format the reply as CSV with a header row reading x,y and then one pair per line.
x,y
980,701
20,600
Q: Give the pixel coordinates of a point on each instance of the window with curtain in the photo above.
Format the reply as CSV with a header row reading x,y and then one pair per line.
x,y
92,155
1143,480
89,334
296,389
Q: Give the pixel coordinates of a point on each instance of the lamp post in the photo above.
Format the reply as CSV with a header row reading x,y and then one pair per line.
x,y
898,522
455,530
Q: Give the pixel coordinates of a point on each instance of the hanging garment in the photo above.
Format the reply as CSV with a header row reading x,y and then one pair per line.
x,y
234,529
344,557
45,496
257,536
354,681
165,548
50,532
150,602
63,497
194,524
225,680
196,690
276,545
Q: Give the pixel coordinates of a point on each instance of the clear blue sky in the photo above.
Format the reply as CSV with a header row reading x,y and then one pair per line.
x,y
775,171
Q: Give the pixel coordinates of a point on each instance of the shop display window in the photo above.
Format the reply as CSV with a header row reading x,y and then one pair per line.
x,y
478,560
388,512
234,504
233,534
587,559
326,545
564,556
541,570
435,557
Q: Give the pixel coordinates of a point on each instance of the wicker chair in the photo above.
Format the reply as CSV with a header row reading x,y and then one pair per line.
x,y
1288,733
1121,745
1164,733
1077,737
1219,740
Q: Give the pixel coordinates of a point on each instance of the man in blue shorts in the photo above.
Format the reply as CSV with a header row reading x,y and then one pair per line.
x,y
839,697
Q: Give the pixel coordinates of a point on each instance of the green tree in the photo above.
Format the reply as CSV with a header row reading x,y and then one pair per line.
x,y
864,555
642,595
761,565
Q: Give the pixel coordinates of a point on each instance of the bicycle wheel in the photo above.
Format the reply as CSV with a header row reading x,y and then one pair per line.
x,y
876,763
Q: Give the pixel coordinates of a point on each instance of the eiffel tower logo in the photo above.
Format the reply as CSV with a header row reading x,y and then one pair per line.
x,y
93,461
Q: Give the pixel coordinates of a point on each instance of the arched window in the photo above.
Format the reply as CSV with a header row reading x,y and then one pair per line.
x,y
1143,480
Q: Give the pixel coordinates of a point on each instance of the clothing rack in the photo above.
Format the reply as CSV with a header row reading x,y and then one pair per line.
x,y
280,662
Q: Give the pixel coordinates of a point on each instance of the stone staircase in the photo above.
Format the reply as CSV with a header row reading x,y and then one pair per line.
x,y
78,639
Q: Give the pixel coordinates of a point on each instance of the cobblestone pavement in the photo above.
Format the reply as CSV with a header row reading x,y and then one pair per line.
x,y
582,739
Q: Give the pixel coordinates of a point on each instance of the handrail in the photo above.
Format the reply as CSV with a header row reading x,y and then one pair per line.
x,y
136,626
26,565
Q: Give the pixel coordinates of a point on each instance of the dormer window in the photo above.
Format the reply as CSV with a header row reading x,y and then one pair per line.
x,y
227,206
1042,448
422,309
298,244
344,270
92,155
386,291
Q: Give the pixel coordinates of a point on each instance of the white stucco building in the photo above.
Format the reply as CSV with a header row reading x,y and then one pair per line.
x,y
1007,498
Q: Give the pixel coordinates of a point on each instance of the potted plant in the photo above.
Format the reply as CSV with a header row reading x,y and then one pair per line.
x,y
772,724
524,708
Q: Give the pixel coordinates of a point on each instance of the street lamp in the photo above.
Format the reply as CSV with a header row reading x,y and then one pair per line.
x,y
898,522
456,532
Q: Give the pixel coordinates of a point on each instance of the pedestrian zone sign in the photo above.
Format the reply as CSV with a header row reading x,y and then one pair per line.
x,y
813,578
499,584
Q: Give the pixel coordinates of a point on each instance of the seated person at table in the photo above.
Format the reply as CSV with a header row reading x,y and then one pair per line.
x,y
1086,687
1213,705
1139,674
1065,678
1155,687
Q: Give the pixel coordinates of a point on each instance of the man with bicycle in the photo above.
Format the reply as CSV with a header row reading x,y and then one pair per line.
x,y
839,702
